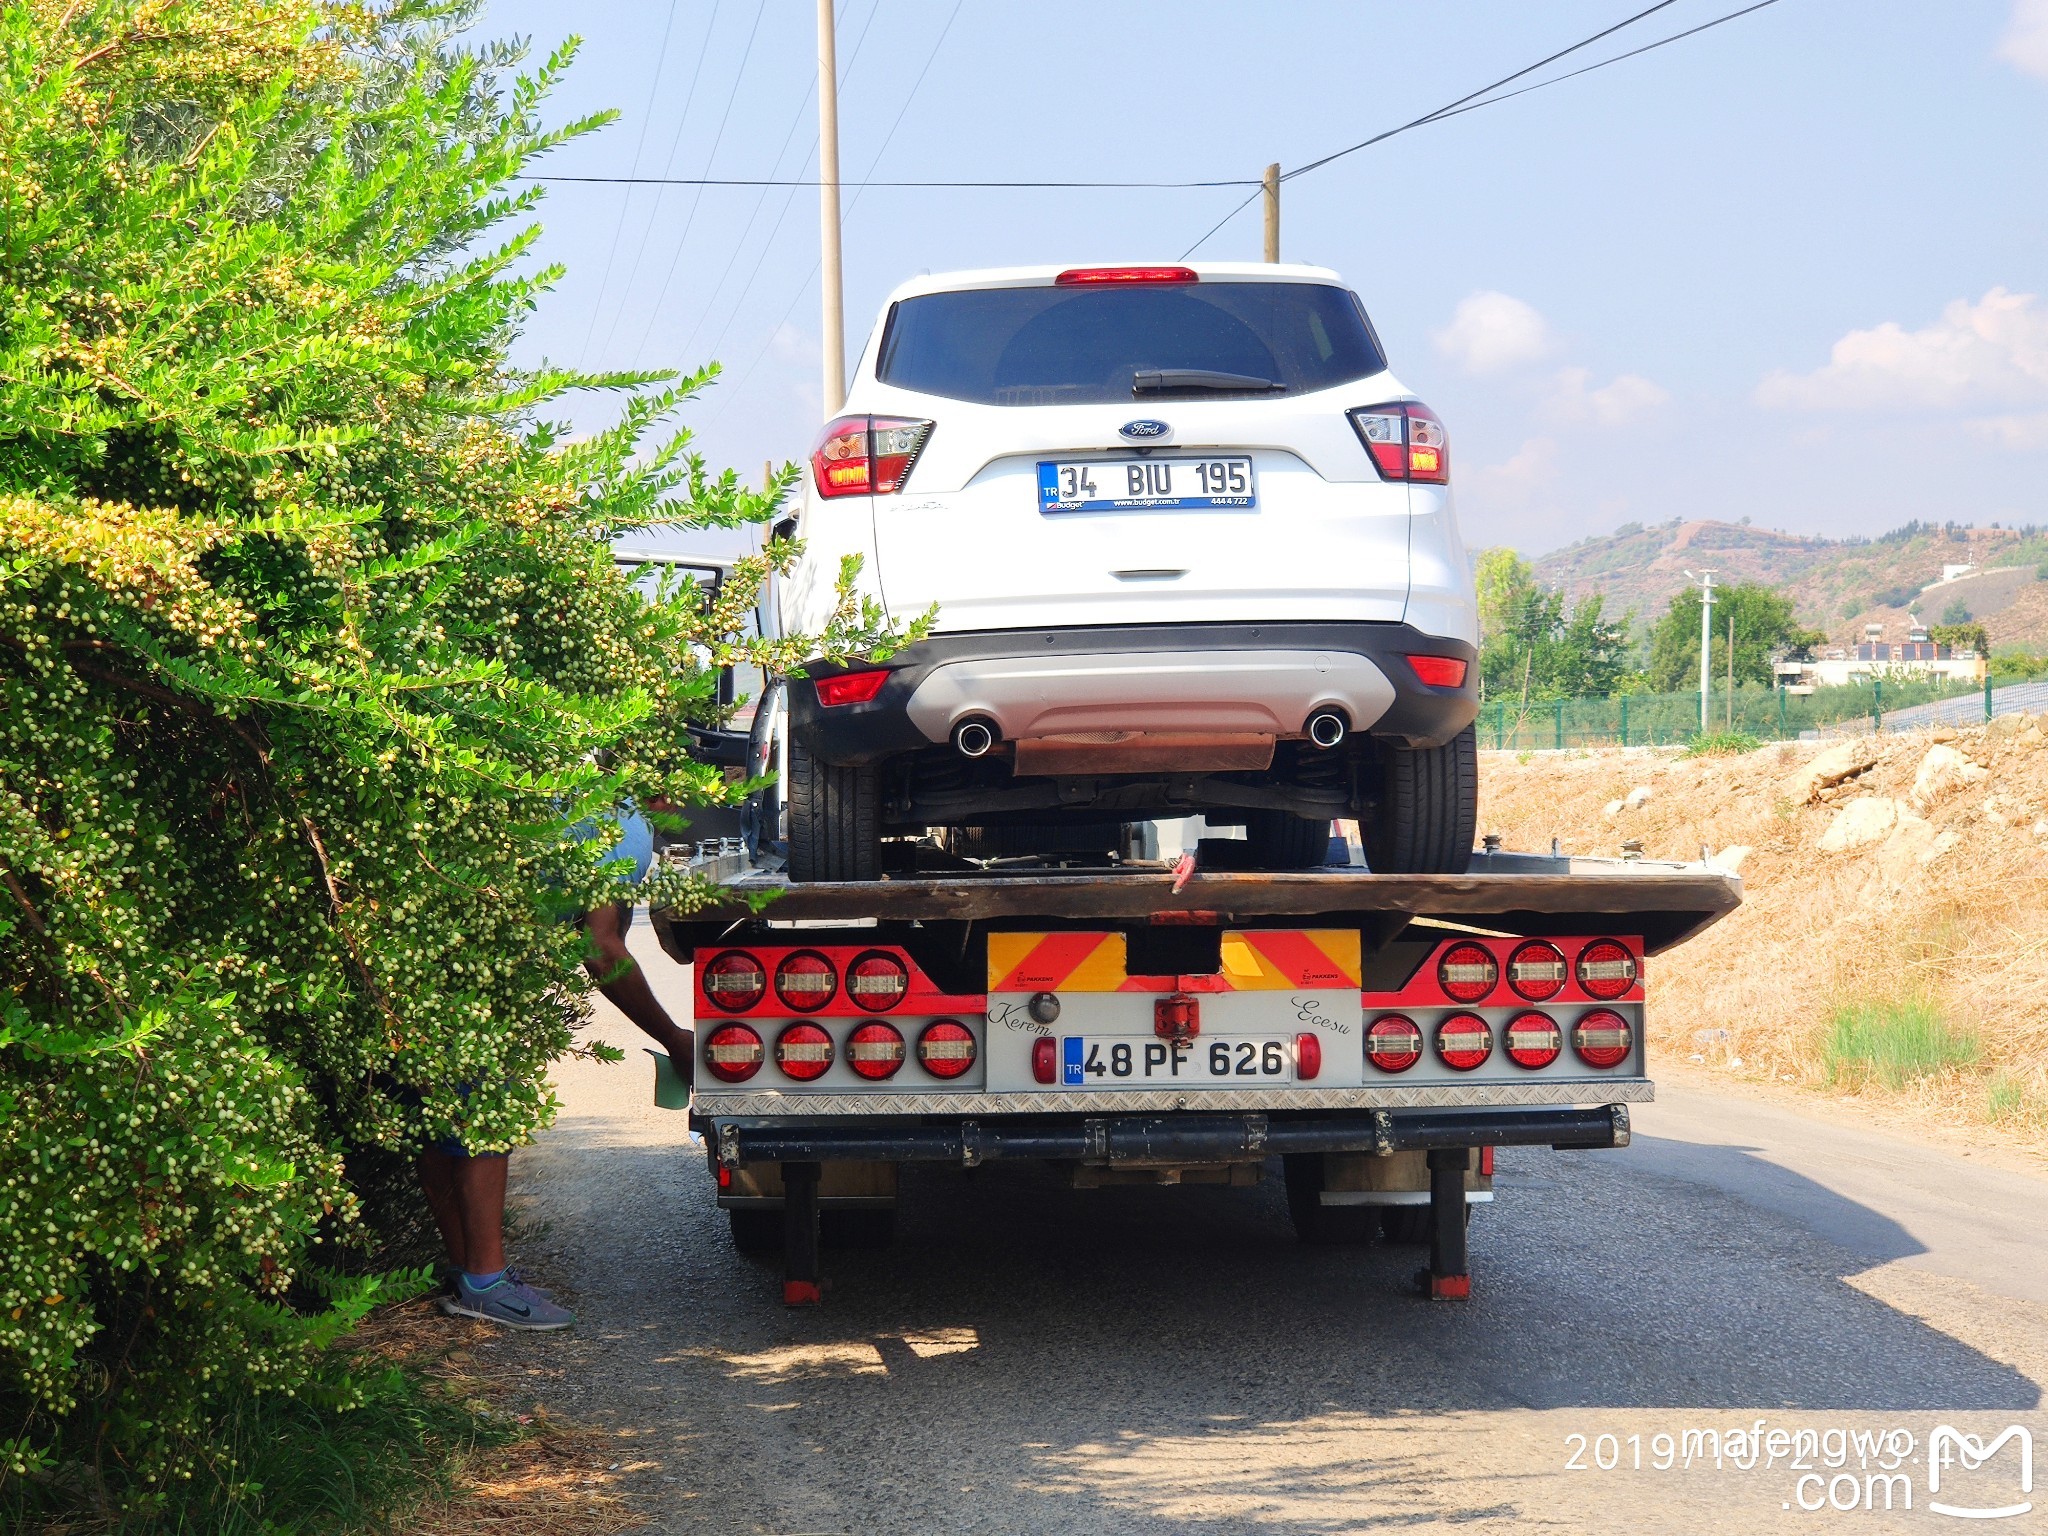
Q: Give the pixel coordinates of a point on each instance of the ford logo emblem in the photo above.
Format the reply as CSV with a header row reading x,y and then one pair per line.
x,y
1143,430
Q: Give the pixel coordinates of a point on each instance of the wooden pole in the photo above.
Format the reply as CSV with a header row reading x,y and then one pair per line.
x,y
1273,212
1731,667
831,280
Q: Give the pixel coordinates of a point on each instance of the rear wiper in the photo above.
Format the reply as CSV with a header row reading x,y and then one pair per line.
x,y
1166,381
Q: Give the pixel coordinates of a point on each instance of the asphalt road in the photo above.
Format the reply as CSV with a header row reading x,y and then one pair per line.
x,y
1030,1359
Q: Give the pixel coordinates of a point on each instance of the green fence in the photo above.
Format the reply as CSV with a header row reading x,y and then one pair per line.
x,y
1653,719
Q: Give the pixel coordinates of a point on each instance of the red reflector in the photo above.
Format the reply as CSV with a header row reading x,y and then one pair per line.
x,y
1533,1040
1308,1057
877,981
1486,1162
803,1051
1045,1060
1178,1017
1393,1044
946,1048
1603,1038
735,981
1439,671
875,1051
805,981
1467,972
732,1053
1463,1041
851,687
1606,970
1081,276
1536,971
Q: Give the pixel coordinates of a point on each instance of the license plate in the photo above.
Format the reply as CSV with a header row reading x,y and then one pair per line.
x,y
1142,485
1101,1061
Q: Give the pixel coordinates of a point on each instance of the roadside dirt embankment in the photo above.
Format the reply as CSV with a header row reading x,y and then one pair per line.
x,y
1893,941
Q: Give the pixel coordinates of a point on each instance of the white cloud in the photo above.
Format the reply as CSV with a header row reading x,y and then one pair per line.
x,y
1988,354
1515,484
2025,44
1492,332
2021,432
1627,398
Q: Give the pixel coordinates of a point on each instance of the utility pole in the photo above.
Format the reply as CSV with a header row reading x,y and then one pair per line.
x,y
1272,186
830,278
1731,671
1706,581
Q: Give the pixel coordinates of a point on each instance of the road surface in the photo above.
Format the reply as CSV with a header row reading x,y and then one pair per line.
x,y
1030,1359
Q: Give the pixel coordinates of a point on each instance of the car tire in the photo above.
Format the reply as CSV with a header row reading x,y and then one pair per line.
x,y
1282,841
756,1231
1317,1223
835,820
1428,809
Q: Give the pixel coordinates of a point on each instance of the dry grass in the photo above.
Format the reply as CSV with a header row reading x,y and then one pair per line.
x,y
553,1478
1953,913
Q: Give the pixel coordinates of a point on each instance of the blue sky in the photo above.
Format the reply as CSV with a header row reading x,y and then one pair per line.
x,y
1785,270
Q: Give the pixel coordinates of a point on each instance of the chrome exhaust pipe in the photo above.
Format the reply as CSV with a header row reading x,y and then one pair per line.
x,y
1326,728
974,738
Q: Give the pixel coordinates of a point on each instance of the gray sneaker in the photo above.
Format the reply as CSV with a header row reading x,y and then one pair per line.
x,y
508,1300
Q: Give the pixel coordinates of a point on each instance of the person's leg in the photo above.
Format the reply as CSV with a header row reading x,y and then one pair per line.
x,y
480,1202
624,984
438,1181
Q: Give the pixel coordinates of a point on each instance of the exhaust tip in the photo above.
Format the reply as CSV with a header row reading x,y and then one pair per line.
x,y
1327,728
974,738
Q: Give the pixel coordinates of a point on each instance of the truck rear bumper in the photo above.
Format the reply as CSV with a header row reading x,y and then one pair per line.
x,y
1163,1140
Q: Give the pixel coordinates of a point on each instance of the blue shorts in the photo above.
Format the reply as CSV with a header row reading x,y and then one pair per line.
x,y
636,839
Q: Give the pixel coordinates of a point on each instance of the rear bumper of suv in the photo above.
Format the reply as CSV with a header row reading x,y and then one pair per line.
x,y
1184,678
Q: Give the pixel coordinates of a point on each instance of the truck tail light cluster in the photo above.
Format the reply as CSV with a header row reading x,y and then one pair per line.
x,y
867,455
1393,1044
1407,441
805,981
1533,1040
736,981
1603,1038
1606,970
875,1051
1463,1042
1471,972
804,1052
877,981
1537,972
1467,972
946,1048
732,1053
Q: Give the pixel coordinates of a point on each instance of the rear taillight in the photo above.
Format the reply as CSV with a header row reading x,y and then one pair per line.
x,y
1082,277
803,1051
1045,1060
1537,972
1394,1043
805,981
851,687
735,981
875,1051
1467,972
1533,1040
1606,970
1308,1057
1463,1041
866,455
946,1048
1603,1038
877,981
1439,671
732,1053
1406,440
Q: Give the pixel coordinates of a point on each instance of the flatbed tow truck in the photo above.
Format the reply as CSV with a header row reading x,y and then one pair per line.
x,y
1136,1021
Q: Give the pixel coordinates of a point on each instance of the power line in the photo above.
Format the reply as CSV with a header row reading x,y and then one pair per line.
x,y
771,181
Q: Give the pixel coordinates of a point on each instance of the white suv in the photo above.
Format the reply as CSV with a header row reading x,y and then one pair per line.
x,y
1193,552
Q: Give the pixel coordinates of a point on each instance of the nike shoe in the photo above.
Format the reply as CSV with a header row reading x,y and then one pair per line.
x,y
509,1301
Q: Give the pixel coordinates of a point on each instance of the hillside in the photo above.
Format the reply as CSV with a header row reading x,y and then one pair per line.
x,y
1838,585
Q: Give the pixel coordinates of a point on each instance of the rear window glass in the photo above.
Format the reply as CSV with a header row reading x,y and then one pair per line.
x,y
1065,346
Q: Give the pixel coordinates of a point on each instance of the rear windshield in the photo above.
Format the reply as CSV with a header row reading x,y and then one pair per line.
x,y
1079,346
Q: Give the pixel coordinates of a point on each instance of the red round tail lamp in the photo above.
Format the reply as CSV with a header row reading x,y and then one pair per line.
x,y
804,1052
946,1048
1394,1043
1537,972
735,981
1606,970
805,981
1603,1038
1467,972
1533,1040
875,1051
877,981
1463,1042
732,1053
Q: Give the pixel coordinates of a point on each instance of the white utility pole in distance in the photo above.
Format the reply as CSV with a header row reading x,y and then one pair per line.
x,y
1706,581
830,280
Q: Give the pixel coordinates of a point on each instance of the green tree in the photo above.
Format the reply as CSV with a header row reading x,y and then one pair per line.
x,y
1530,644
1964,635
1765,627
310,645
